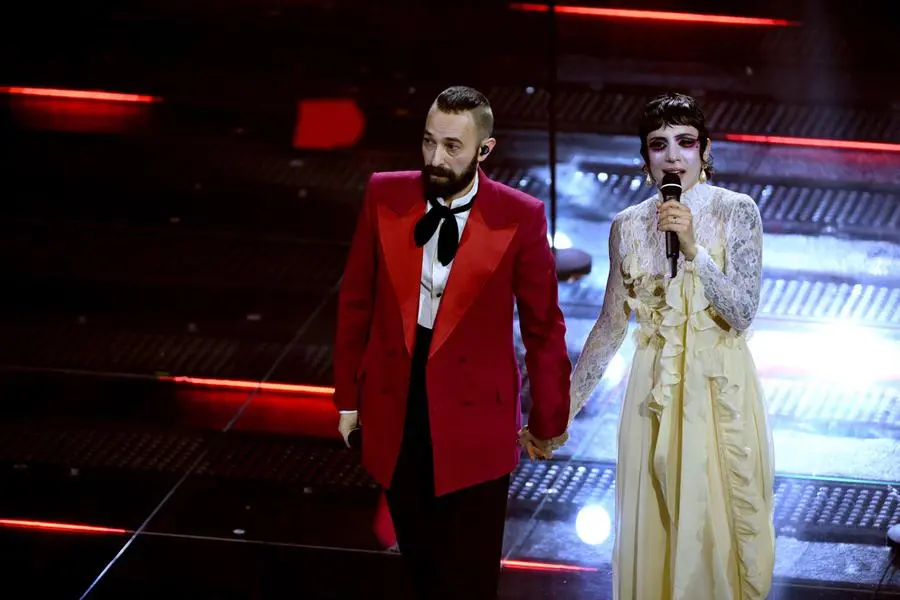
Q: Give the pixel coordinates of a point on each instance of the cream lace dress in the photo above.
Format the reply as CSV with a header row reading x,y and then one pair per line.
x,y
695,467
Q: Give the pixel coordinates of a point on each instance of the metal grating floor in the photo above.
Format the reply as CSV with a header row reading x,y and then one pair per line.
x,y
799,297
592,193
609,110
99,448
78,348
807,403
859,212
160,255
805,508
291,180
98,347
600,193
808,298
294,461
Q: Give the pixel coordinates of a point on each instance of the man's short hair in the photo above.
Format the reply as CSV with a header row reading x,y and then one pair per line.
x,y
459,99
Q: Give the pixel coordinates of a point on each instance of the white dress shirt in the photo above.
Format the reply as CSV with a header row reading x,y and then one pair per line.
x,y
434,274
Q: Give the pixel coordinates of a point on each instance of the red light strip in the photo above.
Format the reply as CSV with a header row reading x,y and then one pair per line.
x,y
654,15
813,142
72,528
80,95
527,565
236,384
54,526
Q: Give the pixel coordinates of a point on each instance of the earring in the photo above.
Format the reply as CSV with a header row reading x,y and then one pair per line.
x,y
703,177
648,181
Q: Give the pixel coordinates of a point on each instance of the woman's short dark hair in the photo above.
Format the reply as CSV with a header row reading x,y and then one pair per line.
x,y
672,109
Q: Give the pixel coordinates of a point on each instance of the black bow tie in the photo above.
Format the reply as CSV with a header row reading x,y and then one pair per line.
x,y
448,238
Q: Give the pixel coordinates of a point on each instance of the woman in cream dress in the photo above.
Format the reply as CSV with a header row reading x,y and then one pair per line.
x,y
695,468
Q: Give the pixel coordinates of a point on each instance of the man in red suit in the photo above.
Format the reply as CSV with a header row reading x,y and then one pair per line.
x,y
424,355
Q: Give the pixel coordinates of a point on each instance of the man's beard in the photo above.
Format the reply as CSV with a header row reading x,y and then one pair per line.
x,y
453,184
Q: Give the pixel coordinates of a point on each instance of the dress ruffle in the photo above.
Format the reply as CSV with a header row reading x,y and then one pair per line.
x,y
680,320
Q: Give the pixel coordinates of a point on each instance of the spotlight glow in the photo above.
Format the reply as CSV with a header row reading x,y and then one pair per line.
x,y
593,524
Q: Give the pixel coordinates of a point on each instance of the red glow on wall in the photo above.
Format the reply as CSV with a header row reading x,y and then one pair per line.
x,y
653,15
328,123
56,526
80,116
80,95
813,142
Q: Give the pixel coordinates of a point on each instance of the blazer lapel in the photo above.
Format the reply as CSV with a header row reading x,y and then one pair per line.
x,y
481,249
404,262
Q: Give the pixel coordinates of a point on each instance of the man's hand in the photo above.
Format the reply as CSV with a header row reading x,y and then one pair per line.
x,y
348,422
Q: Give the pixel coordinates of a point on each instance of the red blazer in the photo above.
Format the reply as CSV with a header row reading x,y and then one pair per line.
x,y
472,376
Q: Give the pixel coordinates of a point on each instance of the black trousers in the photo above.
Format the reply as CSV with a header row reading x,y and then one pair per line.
x,y
452,544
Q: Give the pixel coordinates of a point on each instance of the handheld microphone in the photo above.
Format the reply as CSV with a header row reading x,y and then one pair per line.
x,y
354,438
671,190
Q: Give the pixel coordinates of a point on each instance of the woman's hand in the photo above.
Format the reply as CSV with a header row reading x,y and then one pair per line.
x,y
536,448
677,217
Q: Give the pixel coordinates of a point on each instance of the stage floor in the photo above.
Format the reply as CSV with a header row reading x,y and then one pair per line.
x,y
117,483
135,487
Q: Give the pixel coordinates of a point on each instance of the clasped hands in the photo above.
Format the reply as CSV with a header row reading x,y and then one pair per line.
x,y
676,217
539,449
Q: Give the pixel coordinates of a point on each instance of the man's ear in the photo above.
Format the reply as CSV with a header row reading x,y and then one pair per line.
x,y
486,147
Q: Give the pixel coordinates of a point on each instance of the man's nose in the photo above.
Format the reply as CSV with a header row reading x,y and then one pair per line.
x,y
437,158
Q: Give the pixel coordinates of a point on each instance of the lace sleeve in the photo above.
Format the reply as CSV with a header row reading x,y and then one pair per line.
x,y
608,332
735,293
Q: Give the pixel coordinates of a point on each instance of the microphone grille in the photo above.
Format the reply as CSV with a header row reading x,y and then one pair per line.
x,y
671,179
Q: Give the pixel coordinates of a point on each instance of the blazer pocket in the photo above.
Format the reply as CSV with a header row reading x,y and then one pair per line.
x,y
484,395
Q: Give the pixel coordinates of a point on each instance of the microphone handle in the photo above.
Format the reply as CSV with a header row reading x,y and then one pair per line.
x,y
672,245
672,249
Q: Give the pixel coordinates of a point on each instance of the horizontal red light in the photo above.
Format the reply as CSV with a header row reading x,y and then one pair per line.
x,y
653,15
72,528
80,95
813,142
528,565
236,384
54,526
